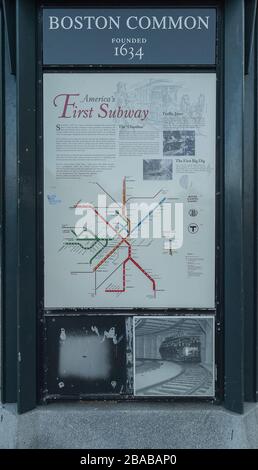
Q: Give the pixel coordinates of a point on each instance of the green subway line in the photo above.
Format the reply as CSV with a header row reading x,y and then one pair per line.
x,y
102,248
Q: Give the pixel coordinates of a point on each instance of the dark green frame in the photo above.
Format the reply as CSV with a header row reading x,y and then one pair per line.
x,y
8,238
233,243
27,217
233,232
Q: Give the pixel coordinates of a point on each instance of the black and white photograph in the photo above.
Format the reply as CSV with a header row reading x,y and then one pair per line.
x,y
180,143
157,169
174,356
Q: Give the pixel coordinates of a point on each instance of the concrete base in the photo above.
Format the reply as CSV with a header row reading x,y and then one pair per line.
x,y
128,426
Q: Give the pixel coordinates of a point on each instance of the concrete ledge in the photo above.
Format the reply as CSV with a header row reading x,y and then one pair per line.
x,y
128,425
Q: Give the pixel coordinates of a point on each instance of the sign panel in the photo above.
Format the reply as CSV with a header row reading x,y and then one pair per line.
x,y
129,36
129,190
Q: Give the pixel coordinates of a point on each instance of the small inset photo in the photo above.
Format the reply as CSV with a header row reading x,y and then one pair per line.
x,y
158,169
174,356
180,143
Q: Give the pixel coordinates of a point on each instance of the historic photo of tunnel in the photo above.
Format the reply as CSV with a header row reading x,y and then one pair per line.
x,y
174,356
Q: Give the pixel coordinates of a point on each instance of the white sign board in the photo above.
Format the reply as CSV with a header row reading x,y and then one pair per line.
x,y
129,190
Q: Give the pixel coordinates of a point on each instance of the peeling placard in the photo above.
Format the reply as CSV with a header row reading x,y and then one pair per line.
x,y
86,355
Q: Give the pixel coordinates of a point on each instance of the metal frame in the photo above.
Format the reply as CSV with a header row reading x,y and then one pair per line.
x,y
2,171
249,187
233,222
232,230
219,206
256,212
27,234
9,247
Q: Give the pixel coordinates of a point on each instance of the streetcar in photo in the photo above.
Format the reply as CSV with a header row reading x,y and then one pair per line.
x,y
173,145
181,349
